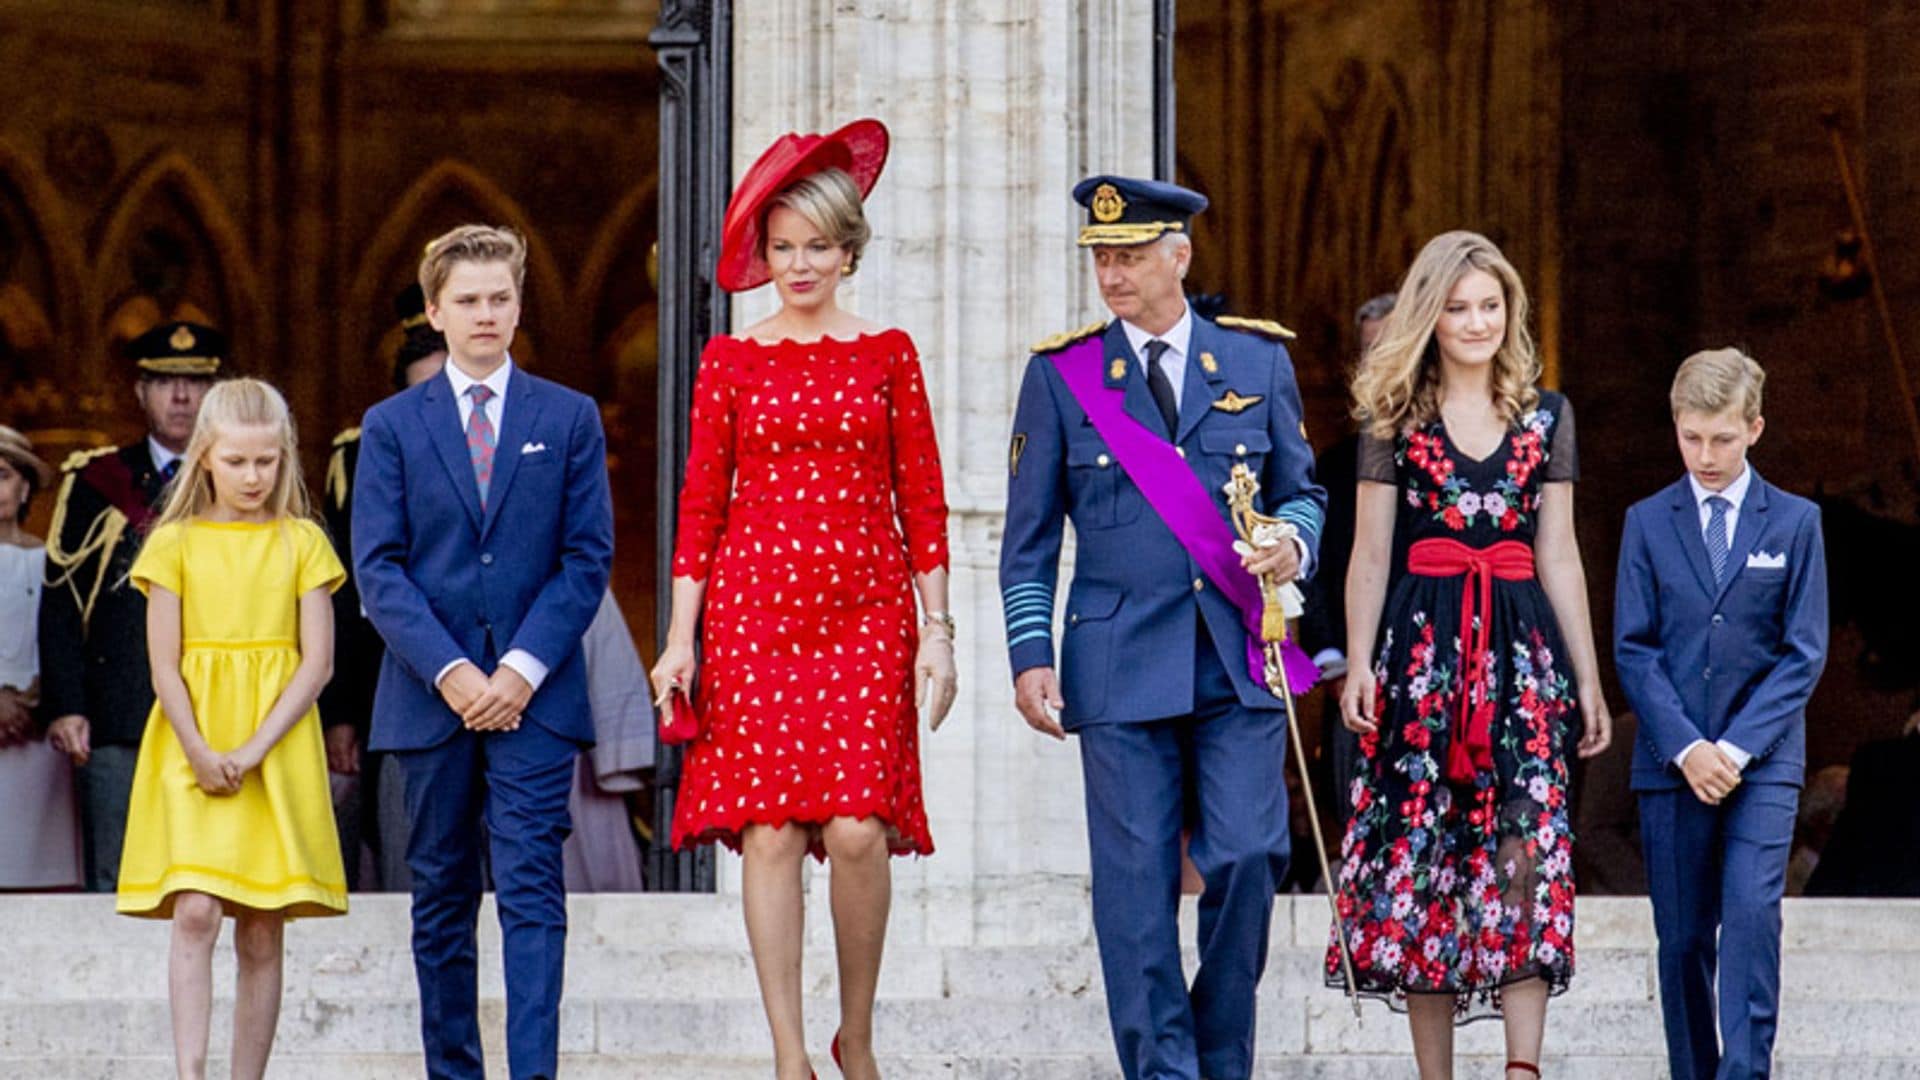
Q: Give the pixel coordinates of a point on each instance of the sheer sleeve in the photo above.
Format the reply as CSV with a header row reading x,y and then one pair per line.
x,y
708,486
159,562
919,489
1376,460
1563,459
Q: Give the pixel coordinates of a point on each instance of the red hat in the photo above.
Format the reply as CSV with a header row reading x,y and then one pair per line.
x,y
859,150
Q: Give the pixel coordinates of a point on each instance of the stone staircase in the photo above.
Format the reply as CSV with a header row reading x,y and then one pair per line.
x,y
996,982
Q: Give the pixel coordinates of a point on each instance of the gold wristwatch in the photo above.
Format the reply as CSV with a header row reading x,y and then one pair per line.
x,y
944,618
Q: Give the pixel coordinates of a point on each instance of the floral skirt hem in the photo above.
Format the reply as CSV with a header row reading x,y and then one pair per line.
x,y
1470,1004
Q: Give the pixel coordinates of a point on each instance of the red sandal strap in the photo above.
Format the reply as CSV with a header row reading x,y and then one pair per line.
x,y
1527,1065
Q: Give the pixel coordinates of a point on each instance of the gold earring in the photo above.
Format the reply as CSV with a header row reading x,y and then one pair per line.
x,y
846,270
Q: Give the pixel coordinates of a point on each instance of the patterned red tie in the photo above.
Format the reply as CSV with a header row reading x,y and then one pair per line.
x,y
480,439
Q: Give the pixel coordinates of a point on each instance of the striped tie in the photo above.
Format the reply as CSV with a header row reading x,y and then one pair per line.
x,y
480,440
1717,508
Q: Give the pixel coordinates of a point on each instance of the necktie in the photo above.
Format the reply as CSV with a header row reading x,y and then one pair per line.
x,y
480,438
1161,386
167,470
1717,508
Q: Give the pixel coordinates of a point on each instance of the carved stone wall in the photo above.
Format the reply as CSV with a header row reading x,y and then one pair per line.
x,y
275,167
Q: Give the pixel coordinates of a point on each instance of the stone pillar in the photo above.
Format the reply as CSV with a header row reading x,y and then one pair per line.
x,y
996,108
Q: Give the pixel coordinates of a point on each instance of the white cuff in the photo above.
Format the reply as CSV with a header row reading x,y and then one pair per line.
x,y
529,668
1306,558
1680,759
445,671
1740,757
1328,657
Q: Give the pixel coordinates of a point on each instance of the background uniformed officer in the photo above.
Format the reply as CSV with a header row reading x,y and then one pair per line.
x,y
93,624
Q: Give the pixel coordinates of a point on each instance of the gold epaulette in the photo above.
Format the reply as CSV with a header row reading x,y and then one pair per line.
x,y
1266,328
1061,341
338,487
79,458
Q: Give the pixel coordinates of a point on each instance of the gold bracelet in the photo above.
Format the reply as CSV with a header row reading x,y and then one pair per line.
x,y
942,618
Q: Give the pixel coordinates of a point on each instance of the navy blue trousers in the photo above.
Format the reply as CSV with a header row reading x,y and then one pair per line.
x,y
1719,869
1218,772
518,781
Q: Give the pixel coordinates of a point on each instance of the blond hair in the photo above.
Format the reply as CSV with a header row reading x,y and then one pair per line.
x,y
830,201
472,244
1398,384
1716,380
230,404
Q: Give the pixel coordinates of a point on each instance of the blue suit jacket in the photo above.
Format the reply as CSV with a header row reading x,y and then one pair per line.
x,y
442,580
1736,661
1128,649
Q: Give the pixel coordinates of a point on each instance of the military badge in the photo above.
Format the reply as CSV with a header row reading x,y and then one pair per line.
x,y
1014,450
1107,204
182,339
1234,403
1208,364
1118,369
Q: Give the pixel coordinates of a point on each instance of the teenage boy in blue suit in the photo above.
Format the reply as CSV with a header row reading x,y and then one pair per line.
x,y
1720,633
482,539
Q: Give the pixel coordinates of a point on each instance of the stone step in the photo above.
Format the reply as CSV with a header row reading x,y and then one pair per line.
x,y
973,1066
1012,1029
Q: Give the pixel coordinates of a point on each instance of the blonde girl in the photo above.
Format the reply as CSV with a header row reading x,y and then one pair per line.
x,y
230,813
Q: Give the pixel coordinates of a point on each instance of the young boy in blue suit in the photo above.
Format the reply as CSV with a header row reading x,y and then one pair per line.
x,y
1720,633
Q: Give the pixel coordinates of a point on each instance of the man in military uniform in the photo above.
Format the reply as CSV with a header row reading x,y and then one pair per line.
x,y
1130,428
366,790
93,624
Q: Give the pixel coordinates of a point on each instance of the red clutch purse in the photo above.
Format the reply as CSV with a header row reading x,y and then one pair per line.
x,y
679,720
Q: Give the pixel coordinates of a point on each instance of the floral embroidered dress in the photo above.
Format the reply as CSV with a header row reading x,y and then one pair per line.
x,y
813,494
1457,864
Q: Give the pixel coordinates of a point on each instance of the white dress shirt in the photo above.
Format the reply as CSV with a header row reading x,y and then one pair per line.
x,y
1174,363
162,457
1735,494
1174,360
525,663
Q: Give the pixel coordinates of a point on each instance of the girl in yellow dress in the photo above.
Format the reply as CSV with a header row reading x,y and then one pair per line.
x,y
230,813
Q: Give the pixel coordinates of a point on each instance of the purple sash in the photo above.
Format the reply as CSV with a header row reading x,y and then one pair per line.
x,y
1186,506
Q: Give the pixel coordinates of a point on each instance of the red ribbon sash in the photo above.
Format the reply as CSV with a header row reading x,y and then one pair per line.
x,y
1470,747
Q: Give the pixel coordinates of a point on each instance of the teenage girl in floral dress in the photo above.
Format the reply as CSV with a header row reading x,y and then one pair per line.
x,y
1456,892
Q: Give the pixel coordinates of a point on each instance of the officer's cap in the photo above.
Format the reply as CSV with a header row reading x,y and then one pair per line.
x,y
1122,210
179,348
418,338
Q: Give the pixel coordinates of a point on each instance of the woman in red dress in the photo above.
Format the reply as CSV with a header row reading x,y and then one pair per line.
x,y
813,509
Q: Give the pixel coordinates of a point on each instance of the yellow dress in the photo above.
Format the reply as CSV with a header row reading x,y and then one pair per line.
x,y
271,846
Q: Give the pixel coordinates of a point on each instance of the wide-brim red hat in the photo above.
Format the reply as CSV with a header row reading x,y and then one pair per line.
x,y
858,149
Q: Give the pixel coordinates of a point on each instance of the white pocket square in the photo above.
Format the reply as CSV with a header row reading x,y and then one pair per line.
x,y
1760,560
533,448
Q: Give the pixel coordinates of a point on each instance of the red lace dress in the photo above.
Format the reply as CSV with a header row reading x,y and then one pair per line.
x,y
813,493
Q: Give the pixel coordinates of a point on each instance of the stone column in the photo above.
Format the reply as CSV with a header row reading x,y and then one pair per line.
x,y
996,108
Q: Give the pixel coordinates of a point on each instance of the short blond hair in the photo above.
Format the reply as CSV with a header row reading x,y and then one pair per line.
x,y
471,243
1716,380
830,201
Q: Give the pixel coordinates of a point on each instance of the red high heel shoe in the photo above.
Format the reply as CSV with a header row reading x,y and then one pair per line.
x,y
834,1049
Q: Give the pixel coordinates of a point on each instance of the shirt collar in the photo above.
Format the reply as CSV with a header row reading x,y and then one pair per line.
x,y
496,382
162,457
1735,493
1177,338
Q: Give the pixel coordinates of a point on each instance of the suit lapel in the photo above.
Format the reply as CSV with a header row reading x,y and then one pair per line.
x,y
440,415
1746,533
1203,379
1139,403
522,409
1686,526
